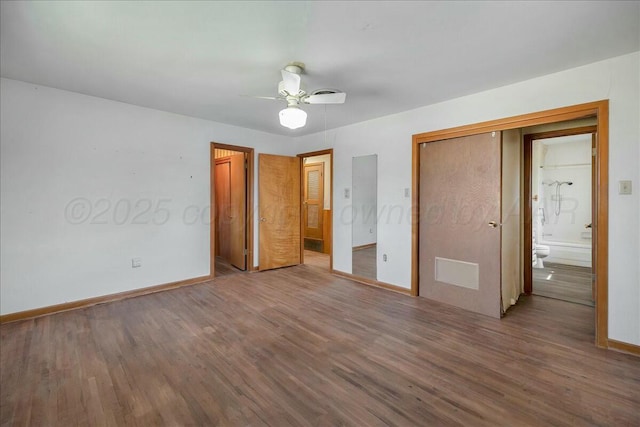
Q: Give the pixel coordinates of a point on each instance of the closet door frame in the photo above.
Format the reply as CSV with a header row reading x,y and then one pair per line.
x,y
599,110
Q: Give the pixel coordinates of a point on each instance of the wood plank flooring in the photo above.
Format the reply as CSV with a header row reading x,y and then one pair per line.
x,y
297,346
224,268
564,282
317,259
363,262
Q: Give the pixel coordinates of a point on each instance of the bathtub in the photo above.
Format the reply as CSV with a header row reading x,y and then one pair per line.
x,y
569,253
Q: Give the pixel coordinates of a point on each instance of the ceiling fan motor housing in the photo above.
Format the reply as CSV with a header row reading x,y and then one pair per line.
x,y
282,91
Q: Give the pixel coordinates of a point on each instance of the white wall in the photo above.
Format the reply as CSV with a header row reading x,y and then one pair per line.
x,y
615,79
65,158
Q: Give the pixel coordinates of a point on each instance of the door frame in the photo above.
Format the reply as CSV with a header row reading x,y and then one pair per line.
x,y
527,195
597,109
302,156
249,154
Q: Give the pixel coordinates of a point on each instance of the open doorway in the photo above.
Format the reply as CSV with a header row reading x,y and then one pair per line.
x,y
231,242
560,178
316,199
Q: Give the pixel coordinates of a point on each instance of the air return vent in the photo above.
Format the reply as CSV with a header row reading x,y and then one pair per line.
x,y
459,273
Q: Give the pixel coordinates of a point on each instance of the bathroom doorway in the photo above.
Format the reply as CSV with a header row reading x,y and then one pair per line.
x,y
560,177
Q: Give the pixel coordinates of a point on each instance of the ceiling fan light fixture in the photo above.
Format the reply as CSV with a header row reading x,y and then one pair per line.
x,y
293,117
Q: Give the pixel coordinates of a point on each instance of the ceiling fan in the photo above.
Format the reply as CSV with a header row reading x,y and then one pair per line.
x,y
290,89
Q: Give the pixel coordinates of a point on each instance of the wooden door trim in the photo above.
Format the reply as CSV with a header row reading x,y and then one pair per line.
x,y
328,151
599,109
527,195
527,215
249,152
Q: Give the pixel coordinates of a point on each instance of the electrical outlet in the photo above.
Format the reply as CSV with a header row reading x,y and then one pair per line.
x,y
384,257
347,193
407,192
624,187
136,262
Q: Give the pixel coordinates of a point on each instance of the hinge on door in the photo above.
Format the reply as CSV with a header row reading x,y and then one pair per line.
x,y
593,152
245,251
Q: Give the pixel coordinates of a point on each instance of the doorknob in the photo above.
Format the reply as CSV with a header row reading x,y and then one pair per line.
x,y
263,219
493,224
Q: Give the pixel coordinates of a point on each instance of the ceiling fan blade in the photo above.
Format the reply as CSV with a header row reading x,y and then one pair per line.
x,y
326,98
291,82
277,98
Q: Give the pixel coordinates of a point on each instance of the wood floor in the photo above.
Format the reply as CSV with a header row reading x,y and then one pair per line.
x,y
364,262
224,268
564,282
317,259
297,346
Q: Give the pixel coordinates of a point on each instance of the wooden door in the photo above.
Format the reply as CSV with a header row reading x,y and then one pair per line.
x,y
237,211
460,210
223,206
313,200
279,211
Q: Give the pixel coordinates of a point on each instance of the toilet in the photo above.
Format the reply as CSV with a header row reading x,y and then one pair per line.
x,y
542,251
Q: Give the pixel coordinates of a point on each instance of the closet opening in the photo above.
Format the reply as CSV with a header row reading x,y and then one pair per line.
x,y
422,200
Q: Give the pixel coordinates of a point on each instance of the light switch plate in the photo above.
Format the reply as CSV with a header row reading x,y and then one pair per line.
x,y
624,187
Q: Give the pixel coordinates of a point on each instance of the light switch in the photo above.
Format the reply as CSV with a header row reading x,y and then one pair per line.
x,y
624,187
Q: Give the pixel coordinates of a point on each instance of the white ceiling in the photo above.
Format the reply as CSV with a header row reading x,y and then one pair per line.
x,y
200,58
